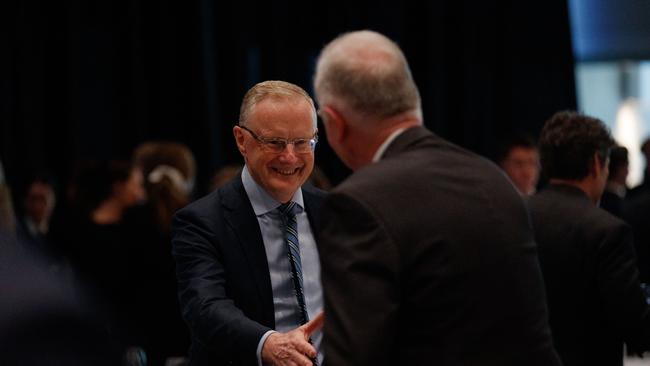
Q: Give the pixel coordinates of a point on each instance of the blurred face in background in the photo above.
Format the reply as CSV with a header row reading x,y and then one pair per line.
x,y
280,173
522,166
620,174
131,191
39,202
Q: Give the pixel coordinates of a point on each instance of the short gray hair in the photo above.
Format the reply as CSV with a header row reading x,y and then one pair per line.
x,y
369,73
272,89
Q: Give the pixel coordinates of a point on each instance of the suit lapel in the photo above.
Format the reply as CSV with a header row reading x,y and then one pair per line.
x,y
312,207
242,220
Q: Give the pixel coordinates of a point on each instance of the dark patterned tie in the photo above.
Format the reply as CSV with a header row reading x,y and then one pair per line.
x,y
288,211
290,224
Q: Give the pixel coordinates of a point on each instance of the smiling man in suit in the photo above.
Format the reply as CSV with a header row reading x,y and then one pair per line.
x,y
426,250
247,264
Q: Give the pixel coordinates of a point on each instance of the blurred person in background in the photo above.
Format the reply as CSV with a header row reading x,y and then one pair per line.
x,y
7,218
615,190
108,203
37,201
100,245
42,321
169,169
636,213
517,155
224,175
587,256
643,187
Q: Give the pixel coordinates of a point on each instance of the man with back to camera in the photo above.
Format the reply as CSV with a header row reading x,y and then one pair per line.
x,y
426,250
247,265
594,298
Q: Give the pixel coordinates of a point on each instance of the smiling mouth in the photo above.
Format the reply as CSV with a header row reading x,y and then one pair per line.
x,y
286,172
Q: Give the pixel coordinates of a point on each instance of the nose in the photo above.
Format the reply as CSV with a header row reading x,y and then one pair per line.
x,y
288,155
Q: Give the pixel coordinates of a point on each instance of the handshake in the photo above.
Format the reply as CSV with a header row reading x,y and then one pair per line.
x,y
292,348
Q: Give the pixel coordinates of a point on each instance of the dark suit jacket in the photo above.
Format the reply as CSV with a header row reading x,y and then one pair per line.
x,y
637,212
427,258
587,258
42,321
612,203
223,277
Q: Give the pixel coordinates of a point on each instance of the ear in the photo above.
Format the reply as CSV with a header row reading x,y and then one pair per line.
x,y
238,132
594,165
335,125
597,166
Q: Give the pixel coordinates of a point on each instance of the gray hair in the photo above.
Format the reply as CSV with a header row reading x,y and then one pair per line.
x,y
369,73
272,89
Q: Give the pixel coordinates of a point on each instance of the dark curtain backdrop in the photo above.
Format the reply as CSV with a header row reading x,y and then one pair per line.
x,y
92,79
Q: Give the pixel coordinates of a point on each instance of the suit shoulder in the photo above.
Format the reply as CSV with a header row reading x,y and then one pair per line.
x,y
566,207
600,215
433,161
206,205
314,193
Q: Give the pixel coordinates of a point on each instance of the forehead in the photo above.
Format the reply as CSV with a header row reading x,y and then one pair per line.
x,y
289,116
39,187
522,152
135,173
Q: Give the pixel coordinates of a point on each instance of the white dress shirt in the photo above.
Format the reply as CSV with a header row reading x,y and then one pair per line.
x,y
286,308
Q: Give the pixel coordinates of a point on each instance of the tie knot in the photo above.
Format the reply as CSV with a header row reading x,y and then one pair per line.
x,y
288,209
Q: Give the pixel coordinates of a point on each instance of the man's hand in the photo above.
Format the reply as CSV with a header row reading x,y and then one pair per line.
x,y
292,348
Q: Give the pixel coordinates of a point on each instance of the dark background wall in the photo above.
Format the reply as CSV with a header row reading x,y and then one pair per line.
x,y
92,79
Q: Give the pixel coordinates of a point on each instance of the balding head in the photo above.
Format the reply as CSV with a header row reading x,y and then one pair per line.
x,y
368,73
277,89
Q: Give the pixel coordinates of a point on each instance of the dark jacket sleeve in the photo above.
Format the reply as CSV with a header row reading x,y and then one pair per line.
x,y
359,264
214,319
619,288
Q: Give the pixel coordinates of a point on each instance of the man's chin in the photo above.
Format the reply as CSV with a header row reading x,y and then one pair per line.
x,y
286,188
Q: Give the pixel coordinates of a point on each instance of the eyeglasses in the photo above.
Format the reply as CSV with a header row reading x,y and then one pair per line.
x,y
278,144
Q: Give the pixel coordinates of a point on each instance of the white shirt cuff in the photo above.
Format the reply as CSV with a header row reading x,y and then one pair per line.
x,y
260,345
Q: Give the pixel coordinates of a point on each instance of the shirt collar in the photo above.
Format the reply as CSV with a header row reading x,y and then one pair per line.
x,y
386,143
261,201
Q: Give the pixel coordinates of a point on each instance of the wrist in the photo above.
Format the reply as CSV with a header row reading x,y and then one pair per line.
x,y
266,341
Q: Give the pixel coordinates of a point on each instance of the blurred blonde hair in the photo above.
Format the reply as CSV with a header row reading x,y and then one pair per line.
x,y
169,171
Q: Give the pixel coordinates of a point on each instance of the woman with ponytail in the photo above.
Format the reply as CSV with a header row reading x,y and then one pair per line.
x,y
169,170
